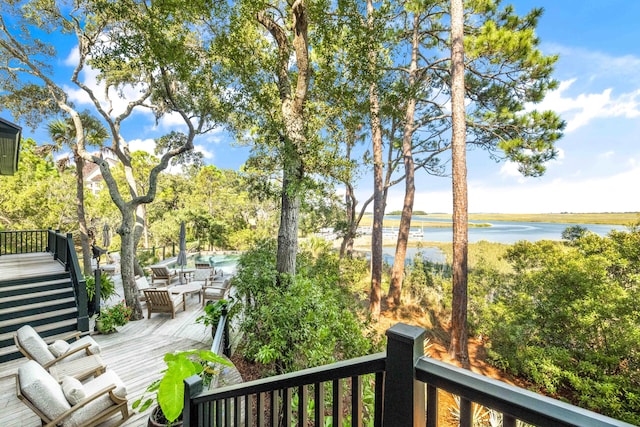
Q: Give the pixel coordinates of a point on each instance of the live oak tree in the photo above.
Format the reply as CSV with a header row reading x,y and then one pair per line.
x,y
132,45
268,46
63,133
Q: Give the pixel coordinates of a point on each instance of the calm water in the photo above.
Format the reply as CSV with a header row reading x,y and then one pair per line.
x,y
511,232
500,232
225,262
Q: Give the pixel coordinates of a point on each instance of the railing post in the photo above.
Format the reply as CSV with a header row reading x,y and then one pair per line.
x,y
192,387
98,284
404,397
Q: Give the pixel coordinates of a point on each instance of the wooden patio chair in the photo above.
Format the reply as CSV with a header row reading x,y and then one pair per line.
x,y
162,301
162,274
215,290
71,402
79,358
142,283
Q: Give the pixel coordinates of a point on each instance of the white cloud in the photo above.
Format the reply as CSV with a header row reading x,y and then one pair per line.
x,y
608,194
207,154
581,110
148,145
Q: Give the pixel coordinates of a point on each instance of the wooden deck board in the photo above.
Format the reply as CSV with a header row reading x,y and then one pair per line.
x,y
28,265
135,353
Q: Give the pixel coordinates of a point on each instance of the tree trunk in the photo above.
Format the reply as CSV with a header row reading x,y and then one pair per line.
x,y
289,219
397,273
458,348
82,221
346,247
378,187
127,258
141,211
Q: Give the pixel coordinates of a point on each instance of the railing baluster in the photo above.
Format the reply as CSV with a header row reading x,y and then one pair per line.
x,y
303,401
508,421
432,406
466,416
337,404
286,411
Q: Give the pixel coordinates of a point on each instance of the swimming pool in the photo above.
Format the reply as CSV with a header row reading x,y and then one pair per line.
x,y
226,261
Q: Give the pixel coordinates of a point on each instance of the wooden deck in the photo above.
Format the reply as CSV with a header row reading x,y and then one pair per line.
x,y
28,265
135,353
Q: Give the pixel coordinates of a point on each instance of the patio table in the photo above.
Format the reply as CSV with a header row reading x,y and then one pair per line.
x,y
188,289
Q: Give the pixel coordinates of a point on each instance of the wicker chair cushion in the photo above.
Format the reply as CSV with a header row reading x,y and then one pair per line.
x,y
98,406
42,390
58,347
34,345
73,390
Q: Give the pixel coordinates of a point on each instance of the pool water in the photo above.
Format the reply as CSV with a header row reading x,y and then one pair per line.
x,y
225,262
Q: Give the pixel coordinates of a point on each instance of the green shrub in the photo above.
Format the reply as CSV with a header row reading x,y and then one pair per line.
x,y
107,286
306,321
567,320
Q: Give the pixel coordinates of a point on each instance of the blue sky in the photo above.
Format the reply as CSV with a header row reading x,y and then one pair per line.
x,y
598,167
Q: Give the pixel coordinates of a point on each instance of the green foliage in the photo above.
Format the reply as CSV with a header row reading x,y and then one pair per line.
x,y
169,390
568,320
107,286
213,311
306,321
574,232
110,317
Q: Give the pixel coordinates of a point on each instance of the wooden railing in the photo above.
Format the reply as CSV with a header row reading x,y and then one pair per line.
x,y
396,389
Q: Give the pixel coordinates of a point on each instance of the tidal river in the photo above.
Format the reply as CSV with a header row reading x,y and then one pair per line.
x,y
500,231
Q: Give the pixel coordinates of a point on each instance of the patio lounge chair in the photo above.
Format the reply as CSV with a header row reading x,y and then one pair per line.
x,y
60,355
215,290
71,403
142,283
162,274
162,301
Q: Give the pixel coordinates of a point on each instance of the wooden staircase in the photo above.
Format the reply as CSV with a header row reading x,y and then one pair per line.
x,y
46,302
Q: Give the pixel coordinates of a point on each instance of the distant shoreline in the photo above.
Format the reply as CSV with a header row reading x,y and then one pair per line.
x,y
624,218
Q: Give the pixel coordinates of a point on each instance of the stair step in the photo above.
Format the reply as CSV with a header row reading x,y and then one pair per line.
x,y
49,332
32,306
32,280
26,300
37,319
16,289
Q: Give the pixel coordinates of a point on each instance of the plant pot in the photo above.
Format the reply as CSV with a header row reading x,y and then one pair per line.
x,y
102,328
157,419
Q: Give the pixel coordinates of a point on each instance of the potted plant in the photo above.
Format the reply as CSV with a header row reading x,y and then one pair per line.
x,y
213,311
110,317
169,390
107,290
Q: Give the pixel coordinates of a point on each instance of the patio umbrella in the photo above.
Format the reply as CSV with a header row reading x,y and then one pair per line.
x,y
182,254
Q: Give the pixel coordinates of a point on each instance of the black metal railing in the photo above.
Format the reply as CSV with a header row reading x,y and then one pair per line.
x,y
23,241
222,339
62,247
396,389
308,395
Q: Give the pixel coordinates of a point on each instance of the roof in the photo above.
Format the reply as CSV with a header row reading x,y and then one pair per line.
x,y
10,135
